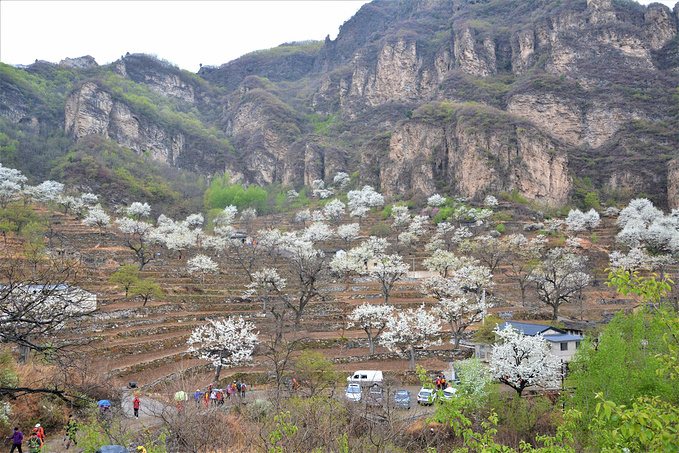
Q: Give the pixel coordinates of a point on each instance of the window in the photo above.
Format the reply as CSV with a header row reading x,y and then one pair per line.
x,y
577,344
564,346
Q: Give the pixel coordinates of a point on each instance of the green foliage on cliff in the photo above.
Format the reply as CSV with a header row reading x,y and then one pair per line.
x,y
222,194
119,175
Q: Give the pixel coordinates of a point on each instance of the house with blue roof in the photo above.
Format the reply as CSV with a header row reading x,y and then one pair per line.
x,y
563,344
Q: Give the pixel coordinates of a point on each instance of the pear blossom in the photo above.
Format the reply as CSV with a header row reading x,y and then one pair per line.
x,y
410,329
228,342
372,319
522,361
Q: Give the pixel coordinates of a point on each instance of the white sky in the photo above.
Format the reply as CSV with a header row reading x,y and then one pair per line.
x,y
182,32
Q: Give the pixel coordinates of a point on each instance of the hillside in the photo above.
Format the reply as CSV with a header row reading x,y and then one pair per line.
x,y
554,99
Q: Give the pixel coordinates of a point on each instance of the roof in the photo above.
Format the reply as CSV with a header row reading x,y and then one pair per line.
x,y
530,329
562,338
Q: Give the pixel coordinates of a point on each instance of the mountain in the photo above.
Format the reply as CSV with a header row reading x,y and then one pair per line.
x,y
554,99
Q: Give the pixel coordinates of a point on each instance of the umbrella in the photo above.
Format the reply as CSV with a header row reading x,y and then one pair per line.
x,y
112,449
180,396
104,403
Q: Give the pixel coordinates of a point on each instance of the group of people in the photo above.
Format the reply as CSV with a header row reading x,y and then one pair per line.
x,y
216,397
441,382
36,441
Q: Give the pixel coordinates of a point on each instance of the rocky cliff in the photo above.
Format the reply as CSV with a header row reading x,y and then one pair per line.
x,y
536,96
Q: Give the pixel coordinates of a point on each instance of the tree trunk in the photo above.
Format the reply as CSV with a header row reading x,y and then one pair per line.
x,y
217,373
371,342
412,357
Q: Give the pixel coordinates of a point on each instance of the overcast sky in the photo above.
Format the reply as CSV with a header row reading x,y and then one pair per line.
x,y
184,33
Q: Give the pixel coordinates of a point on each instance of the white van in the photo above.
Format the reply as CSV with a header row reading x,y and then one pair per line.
x,y
366,377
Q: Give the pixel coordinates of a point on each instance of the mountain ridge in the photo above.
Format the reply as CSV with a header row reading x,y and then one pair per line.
x,y
467,96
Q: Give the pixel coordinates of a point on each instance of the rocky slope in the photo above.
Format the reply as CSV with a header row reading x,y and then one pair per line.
x,y
537,95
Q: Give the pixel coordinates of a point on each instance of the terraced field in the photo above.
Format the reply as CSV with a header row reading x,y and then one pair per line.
x,y
147,344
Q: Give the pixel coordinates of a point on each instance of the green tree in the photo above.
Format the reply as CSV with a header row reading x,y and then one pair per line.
x,y
315,372
125,276
147,289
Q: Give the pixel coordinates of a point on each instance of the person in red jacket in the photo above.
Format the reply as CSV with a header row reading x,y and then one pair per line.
x,y
135,404
40,432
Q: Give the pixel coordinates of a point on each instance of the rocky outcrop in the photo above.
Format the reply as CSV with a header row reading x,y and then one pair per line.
x,y
84,62
158,76
475,160
263,129
660,24
394,76
92,110
576,124
469,58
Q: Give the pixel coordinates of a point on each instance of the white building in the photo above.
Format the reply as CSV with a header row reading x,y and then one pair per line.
x,y
562,343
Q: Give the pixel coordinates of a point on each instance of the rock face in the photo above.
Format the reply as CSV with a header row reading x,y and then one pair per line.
x,y
535,91
92,110
79,63
475,161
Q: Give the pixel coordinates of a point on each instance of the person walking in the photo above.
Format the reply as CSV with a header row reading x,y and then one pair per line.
x,y
135,404
242,389
71,432
17,439
197,395
40,432
34,443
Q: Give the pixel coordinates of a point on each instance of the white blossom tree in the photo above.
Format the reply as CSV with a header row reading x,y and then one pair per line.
x,y
490,202
436,200
454,306
410,329
11,182
361,201
319,189
523,258
341,180
226,217
388,270
69,202
641,209
48,191
317,232
523,361
559,277
138,210
448,236
401,218
227,342
489,250
334,210
89,199
372,319
306,266
343,266
270,287
443,262
138,237
201,265
576,221
592,219
97,217
303,216
347,233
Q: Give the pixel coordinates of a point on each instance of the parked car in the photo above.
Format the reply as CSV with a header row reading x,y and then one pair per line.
x,y
449,393
374,397
402,399
366,377
426,396
353,392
